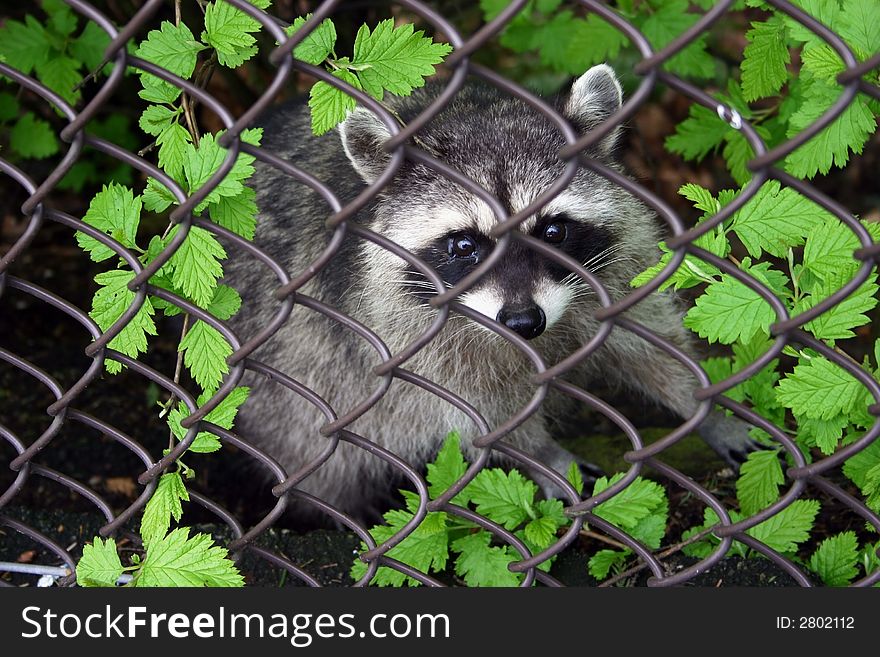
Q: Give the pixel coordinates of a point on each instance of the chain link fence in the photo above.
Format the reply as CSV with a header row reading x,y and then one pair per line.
x,y
27,452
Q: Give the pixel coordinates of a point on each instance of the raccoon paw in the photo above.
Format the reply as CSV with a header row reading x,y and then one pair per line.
x,y
729,437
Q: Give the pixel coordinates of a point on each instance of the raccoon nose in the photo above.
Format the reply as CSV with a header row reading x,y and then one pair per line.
x,y
528,322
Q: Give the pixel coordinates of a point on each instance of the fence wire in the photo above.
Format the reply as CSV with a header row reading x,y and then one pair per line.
x,y
37,213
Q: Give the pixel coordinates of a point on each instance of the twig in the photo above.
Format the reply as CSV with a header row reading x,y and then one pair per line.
x,y
660,555
605,539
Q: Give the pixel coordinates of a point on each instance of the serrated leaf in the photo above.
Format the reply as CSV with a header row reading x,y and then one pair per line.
x,y
164,505
817,388
860,25
205,352
318,45
776,219
835,559
223,416
90,45
765,59
824,434
200,163
109,303
837,322
197,265
848,132
700,133
729,311
175,49
481,565
156,119
61,74
116,211
173,142
225,303
822,61
574,477
447,468
33,137
62,20
759,480
670,20
397,58
24,45
603,561
857,467
822,10
426,548
178,560
157,197
237,213
230,32
504,497
329,106
635,502
785,530
100,564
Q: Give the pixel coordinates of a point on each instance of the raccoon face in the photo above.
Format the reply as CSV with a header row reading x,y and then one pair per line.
x,y
509,149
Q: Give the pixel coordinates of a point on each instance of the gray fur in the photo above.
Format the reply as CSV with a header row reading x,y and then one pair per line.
x,y
510,150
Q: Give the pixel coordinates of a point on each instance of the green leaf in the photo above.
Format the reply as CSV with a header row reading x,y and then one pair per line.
x,y
729,311
205,352
765,58
157,197
860,25
829,251
857,467
699,134
592,41
33,137
824,434
565,43
776,219
157,118
90,45
503,497
759,480
822,61
447,468
164,505
481,565
785,530
197,265
837,322
835,559
603,561
237,213
669,20
329,105
848,132
24,46
230,32
61,74
62,20
173,142
817,388
116,211
225,303
824,11
200,163
635,502
427,548
397,58
574,477
178,560
9,107
99,565
108,305
318,45
175,49
223,416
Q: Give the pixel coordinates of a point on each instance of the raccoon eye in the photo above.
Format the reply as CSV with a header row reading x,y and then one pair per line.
x,y
462,246
554,233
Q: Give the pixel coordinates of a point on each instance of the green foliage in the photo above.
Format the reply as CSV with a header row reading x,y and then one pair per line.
x,y
388,58
510,500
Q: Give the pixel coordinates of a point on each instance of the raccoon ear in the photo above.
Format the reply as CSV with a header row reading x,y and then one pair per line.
x,y
594,97
363,134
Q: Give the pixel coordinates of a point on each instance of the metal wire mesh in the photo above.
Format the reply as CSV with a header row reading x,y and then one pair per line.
x,y
787,330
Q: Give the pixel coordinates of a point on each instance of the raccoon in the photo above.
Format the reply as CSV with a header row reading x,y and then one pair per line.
x,y
509,149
